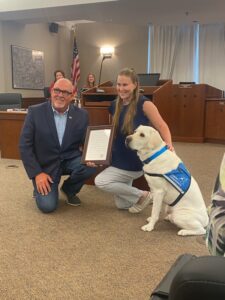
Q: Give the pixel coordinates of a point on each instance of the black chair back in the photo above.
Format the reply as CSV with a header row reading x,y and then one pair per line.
x,y
47,93
10,100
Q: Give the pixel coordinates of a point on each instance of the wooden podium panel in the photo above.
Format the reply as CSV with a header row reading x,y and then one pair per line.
x,y
97,103
11,124
190,114
184,110
214,120
99,116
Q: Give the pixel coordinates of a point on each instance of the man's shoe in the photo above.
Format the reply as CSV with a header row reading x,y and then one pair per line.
x,y
136,208
72,199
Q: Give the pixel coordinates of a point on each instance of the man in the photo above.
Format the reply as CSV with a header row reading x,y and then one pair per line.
x,y
50,144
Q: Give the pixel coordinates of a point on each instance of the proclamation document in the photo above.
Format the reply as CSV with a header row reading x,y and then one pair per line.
x,y
98,144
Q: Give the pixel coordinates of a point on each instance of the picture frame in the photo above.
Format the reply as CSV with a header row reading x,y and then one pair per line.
x,y
98,144
27,68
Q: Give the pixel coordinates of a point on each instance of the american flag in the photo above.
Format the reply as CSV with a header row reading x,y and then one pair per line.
x,y
75,68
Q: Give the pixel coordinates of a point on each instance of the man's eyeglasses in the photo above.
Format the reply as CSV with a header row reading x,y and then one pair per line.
x,y
64,93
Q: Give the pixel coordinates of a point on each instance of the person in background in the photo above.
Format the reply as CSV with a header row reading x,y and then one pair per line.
x,y
215,234
90,81
57,75
50,146
129,110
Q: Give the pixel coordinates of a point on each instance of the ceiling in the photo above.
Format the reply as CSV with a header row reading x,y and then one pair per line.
x,y
137,12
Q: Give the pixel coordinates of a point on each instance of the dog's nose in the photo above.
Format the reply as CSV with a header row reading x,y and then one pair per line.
x,y
128,140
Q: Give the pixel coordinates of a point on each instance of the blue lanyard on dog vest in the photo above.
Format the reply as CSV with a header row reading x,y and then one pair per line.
x,y
180,178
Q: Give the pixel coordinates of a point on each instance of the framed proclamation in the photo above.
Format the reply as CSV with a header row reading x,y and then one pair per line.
x,y
98,144
27,68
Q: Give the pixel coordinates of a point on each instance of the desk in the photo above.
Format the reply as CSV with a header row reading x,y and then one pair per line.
x,y
10,127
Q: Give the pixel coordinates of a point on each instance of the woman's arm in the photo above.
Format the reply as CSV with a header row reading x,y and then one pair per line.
x,y
157,121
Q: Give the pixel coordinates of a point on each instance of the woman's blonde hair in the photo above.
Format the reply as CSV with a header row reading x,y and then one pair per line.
x,y
127,127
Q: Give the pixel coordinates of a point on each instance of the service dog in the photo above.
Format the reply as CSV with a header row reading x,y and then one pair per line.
x,y
185,206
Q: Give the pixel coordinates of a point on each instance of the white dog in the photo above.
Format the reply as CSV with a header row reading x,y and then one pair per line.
x,y
185,204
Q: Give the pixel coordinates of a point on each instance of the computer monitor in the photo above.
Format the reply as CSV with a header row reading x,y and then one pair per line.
x,y
187,82
148,79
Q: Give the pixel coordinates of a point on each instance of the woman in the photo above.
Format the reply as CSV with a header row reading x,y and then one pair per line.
x,y
129,110
57,75
90,81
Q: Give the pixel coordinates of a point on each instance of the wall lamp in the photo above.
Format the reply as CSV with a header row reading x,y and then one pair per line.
x,y
106,52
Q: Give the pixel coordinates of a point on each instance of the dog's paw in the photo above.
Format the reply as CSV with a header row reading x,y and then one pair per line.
x,y
149,219
147,228
182,232
185,232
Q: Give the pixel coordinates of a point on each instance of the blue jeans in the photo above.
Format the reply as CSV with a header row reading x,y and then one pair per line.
x,y
71,186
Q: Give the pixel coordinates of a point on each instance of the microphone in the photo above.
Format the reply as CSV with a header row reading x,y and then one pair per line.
x,y
100,72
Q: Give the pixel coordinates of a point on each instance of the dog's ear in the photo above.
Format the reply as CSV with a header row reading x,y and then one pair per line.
x,y
155,139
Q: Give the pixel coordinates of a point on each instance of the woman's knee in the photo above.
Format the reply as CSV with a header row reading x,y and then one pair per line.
x,y
100,182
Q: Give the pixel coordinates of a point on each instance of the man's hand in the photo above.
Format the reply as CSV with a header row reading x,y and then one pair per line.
x,y
92,164
42,181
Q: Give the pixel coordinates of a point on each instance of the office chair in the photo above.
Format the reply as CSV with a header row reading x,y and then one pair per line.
x,y
10,100
47,93
193,278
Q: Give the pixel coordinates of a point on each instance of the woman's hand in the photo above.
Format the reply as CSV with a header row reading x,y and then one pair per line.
x,y
170,147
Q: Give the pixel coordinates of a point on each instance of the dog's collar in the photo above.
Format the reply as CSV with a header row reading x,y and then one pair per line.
x,y
156,154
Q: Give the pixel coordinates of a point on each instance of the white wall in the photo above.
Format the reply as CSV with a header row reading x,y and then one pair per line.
x,y
56,47
130,42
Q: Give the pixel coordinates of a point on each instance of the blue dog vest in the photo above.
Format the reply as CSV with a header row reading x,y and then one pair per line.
x,y
180,179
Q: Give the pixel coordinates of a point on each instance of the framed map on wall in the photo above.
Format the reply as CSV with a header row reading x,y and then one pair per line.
x,y
27,68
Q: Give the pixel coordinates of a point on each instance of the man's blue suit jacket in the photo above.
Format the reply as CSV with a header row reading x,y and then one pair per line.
x,y
39,145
